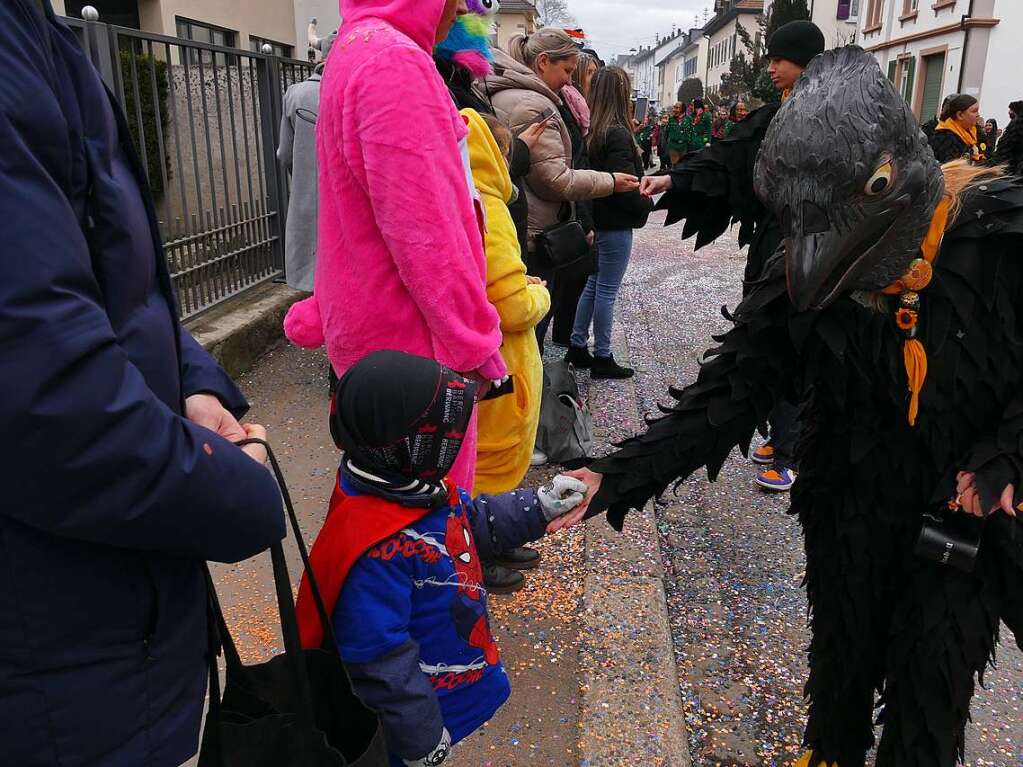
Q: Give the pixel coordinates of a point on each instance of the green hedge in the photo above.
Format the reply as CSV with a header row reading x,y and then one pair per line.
x,y
144,72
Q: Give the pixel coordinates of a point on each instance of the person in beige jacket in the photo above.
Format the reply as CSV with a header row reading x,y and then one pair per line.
x,y
525,87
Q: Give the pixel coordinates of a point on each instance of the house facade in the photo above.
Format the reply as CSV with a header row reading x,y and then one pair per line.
x,y
695,56
933,48
516,17
668,63
839,20
679,58
722,35
642,72
210,21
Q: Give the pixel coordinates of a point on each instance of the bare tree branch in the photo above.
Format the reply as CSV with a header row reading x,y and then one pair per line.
x,y
554,13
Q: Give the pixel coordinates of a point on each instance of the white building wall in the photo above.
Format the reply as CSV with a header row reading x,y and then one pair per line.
x,y
837,33
1002,80
993,53
670,80
644,79
718,63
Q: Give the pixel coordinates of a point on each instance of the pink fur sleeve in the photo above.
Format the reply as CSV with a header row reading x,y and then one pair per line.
x,y
408,133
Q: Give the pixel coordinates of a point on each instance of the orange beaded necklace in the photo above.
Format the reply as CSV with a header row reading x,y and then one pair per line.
x,y
907,316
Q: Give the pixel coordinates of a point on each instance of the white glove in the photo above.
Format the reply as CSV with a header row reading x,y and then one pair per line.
x,y
561,495
439,754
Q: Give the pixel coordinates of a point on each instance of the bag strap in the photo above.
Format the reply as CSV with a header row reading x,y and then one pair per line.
x,y
328,626
220,635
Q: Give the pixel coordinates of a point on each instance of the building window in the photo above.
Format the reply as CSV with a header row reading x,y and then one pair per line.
x,y
874,10
279,49
907,75
910,7
205,33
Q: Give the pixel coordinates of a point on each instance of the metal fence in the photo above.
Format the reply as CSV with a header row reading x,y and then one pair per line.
x,y
206,122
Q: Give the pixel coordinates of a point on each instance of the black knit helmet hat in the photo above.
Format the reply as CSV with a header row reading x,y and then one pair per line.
x,y
797,41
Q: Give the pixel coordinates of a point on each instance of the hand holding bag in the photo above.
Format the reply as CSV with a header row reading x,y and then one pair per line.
x,y
295,710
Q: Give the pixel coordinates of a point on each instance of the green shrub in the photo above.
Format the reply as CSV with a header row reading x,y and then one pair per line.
x,y
144,70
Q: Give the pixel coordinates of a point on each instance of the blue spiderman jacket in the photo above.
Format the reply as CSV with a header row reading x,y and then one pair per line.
x,y
412,623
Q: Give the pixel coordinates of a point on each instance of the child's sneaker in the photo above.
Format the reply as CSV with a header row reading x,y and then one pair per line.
x,y
779,479
763,455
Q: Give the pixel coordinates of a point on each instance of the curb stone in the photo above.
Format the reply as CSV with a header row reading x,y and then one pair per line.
x,y
239,332
632,712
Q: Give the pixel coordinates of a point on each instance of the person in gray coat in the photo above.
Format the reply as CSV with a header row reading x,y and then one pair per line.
x,y
297,154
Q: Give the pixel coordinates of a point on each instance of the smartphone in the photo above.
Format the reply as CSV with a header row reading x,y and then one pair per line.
x,y
543,117
642,107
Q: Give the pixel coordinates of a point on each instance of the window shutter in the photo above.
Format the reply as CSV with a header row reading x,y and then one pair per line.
x,y
910,65
843,9
891,70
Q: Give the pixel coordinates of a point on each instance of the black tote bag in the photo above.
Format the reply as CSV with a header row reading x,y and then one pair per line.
x,y
295,710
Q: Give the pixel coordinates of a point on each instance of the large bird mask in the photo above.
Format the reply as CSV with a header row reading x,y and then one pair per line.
x,y
851,178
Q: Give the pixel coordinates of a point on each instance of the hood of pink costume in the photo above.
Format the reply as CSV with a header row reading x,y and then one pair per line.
x,y
418,19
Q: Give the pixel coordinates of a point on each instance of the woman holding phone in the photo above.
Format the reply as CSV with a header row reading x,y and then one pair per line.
x,y
613,149
526,88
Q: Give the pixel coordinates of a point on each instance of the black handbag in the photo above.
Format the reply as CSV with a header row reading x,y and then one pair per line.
x,y
563,245
295,710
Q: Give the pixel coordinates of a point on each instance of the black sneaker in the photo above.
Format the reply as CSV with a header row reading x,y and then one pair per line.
x,y
522,558
607,368
501,580
580,357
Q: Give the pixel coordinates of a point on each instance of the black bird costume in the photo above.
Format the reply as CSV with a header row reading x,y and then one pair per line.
x,y
860,199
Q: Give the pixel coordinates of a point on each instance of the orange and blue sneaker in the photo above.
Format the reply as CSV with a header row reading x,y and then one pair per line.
x,y
763,455
779,479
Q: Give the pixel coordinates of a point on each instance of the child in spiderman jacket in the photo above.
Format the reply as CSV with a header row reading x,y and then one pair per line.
x,y
398,559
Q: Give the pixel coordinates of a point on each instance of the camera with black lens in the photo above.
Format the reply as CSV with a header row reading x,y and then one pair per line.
x,y
951,539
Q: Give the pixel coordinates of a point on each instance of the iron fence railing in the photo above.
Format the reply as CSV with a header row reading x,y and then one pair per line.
x,y
206,121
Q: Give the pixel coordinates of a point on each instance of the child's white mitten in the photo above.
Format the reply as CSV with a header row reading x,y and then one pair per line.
x,y
438,756
561,495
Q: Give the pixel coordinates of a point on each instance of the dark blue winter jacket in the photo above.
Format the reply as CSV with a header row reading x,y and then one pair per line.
x,y
109,499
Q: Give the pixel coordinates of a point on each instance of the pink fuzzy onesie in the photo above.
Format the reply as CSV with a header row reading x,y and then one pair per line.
x,y
401,263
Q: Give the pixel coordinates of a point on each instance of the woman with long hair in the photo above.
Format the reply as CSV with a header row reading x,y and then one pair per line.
x,y
527,87
613,149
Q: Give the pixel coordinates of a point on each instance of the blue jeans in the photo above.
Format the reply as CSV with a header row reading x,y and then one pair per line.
x,y
597,304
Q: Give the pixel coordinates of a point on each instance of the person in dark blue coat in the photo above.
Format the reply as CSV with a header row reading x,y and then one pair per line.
x,y
114,491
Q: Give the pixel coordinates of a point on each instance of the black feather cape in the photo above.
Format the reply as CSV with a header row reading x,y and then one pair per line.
x,y
867,478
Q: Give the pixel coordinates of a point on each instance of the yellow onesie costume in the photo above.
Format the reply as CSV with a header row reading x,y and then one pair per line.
x,y
507,424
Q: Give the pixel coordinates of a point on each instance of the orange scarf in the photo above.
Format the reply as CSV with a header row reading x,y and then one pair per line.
x,y
969,137
908,288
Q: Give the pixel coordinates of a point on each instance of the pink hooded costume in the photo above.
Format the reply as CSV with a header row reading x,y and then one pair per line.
x,y
401,263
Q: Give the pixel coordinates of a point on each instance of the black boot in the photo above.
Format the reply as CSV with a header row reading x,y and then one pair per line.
x,y
580,357
501,580
522,558
607,368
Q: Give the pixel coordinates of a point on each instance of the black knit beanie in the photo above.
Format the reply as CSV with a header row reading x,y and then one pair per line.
x,y
797,41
